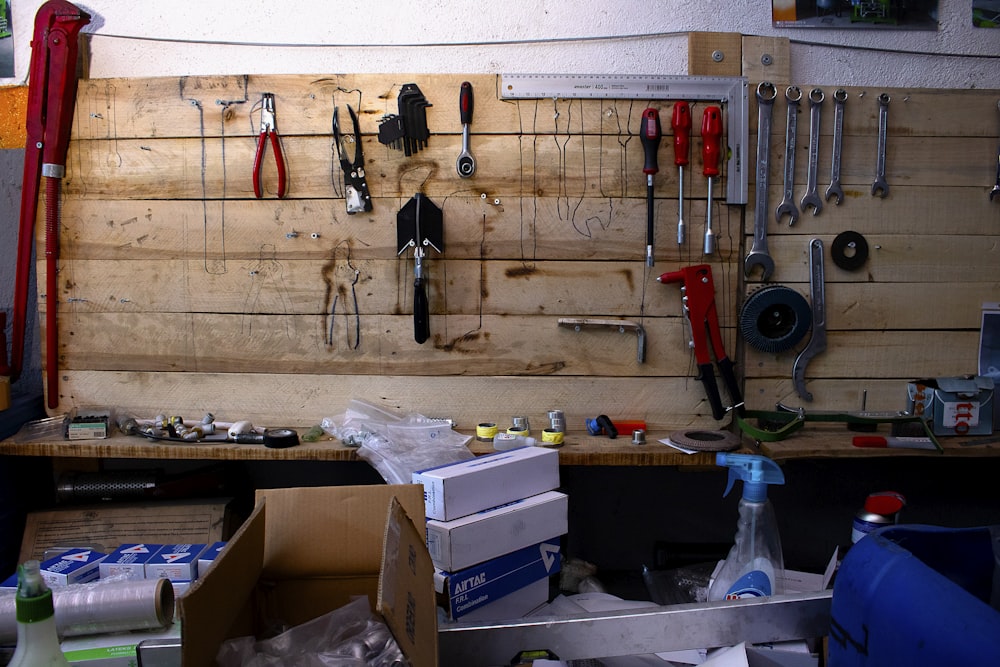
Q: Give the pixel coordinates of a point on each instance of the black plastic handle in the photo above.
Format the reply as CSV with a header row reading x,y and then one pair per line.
x,y
732,386
421,313
707,377
466,103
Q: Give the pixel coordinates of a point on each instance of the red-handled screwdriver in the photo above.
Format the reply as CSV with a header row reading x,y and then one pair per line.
x,y
650,134
681,124
711,131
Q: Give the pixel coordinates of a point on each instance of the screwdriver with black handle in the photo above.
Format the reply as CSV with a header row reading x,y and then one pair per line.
x,y
711,131
681,124
649,134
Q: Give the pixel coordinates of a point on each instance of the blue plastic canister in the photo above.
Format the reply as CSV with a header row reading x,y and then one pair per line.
x,y
917,595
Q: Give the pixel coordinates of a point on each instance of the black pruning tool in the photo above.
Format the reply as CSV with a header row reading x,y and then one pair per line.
x,y
352,161
419,225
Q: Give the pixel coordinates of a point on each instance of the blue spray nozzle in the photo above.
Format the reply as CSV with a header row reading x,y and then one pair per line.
x,y
755,471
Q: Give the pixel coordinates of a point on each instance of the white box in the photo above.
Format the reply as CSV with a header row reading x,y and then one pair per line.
x,y
514,605
460,489
75,566
176,562
129,560
458,544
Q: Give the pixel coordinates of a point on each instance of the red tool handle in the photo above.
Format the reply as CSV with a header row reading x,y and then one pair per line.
x,y
649,134
711,132
466,103
681,124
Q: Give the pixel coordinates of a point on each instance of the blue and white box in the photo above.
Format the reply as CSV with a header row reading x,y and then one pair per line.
x,y
461,543
485,584
176,562
208,556
74,566
460,489
128,560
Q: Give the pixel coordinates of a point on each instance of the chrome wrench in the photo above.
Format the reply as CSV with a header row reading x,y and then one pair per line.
x,y
787,205
817,342
839,99
880,187
996,188
466,163
759,255
811,198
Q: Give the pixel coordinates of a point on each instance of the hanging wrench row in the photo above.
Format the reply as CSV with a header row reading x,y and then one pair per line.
x,y
766,94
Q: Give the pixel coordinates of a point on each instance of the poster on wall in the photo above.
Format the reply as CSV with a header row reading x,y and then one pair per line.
x,y
986,13
869,14
6,41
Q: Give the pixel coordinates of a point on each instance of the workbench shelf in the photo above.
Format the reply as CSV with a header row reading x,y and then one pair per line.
x,y
580,449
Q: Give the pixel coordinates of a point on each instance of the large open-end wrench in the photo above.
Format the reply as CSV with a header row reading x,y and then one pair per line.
x,y
817,342
811,198
759,256
839,99
787,205
880,187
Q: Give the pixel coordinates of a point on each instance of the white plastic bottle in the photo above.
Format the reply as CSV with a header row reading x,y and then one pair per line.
x,y
754,564
37,640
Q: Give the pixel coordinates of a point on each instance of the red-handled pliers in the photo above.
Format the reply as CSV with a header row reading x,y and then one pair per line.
x,y
268,130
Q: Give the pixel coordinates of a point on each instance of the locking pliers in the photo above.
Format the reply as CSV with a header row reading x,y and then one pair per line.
x,y
355,186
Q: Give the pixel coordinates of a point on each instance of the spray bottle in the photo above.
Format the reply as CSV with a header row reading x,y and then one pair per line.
x,y
37,640
754,563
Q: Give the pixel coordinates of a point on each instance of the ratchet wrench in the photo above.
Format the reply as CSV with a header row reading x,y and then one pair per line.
x,y
466,164
759,255
839,99
811,198
817,342
880,187
787,205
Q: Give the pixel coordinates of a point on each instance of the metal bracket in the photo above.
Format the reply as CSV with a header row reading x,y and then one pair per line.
x,y
649,630
621,325
730,92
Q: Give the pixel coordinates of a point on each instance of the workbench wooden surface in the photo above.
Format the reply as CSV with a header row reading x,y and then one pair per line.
x,y
813,441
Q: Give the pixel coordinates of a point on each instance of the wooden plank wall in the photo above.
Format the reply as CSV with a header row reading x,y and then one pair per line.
x,y
180,292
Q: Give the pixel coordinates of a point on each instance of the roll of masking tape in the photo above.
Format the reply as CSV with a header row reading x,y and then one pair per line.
x,y
552,436
486,431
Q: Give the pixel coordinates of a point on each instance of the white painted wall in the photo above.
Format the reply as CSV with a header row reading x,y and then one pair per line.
x,y
135,38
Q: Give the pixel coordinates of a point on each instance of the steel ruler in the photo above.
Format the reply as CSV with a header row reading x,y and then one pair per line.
x,y
729,92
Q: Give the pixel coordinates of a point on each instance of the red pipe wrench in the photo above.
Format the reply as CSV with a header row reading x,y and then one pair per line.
x,y
51,99
698,297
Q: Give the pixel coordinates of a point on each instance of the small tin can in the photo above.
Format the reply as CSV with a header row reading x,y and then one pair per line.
x,y
880,509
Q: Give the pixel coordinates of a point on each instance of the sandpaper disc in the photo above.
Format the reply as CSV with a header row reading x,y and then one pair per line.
x,y
705,441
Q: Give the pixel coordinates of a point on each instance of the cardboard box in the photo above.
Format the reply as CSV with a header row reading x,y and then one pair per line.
x,y
75,566
306,551
955,405
464,591
128,560
176,562
458,544
104,527
460,489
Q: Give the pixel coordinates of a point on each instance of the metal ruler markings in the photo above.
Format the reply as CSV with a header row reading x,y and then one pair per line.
x,y
730,92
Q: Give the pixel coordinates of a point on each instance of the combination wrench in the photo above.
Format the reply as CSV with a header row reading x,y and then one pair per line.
x,y
759,255
817,342
811,198
995,192
787,205
880,187
839,100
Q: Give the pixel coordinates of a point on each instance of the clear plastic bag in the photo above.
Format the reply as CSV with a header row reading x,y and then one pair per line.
x,y
350,636
397,446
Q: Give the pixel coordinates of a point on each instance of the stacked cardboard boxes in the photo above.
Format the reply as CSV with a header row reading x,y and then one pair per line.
x,y
494,525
